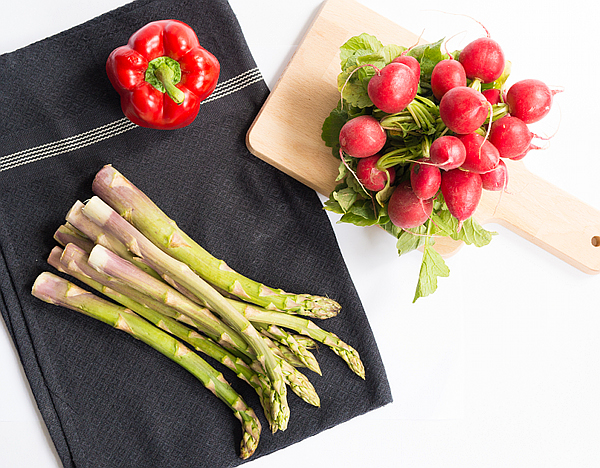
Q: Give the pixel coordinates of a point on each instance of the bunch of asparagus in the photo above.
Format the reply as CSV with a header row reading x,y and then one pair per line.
x,y
163,288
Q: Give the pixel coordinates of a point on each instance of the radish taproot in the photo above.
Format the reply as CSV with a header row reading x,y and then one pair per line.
x,y
462,191
405,209
483,60
511,136
362,136
530,100
393,87
482,156
463,110
447,152
425,180
371,177
496,179
447,74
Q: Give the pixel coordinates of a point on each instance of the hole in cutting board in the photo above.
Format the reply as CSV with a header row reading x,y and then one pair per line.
x,y
596,241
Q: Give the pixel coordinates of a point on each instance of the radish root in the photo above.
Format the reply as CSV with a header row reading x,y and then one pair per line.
x,y
415,44
487,33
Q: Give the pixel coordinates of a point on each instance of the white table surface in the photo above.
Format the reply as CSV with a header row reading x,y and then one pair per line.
x,y
500,367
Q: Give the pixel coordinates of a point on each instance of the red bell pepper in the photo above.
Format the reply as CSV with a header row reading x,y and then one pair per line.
x,y
162,75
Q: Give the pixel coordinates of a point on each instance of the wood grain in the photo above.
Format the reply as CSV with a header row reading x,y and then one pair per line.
x,y
287,134
287,131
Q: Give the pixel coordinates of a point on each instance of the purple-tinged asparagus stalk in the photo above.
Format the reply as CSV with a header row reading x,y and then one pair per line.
x,y
135,283
177,273
72,260
140,210
98,236
67,234
56,290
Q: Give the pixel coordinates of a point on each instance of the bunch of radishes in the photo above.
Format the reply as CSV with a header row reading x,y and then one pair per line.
x,y
420,133
466,157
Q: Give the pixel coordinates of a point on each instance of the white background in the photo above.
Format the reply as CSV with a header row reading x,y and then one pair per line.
x,y
500,367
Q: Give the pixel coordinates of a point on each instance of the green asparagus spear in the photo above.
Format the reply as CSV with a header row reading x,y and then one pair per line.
x,y
139,210
55,290
101,258
72,260
305,327
288,341
170,302
298,382
305,341
282,350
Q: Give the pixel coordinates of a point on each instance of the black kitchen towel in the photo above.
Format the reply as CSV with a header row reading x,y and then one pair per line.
x,y
109,400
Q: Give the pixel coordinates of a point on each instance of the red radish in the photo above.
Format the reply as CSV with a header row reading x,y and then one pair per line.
x,y
496,179
463,110
529,100
492,95
411,63
482,156
447,152
483,60
446,75
393,88
371,176
520,156
362,136
405,209
425,180
511,136
462,192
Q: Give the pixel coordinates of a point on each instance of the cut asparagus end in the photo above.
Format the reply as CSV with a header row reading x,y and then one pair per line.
x,y
66,234
99,258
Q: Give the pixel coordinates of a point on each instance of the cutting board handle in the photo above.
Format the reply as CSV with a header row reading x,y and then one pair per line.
x,y
543,214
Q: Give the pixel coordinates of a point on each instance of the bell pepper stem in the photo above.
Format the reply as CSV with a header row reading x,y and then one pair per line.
x,y
165,75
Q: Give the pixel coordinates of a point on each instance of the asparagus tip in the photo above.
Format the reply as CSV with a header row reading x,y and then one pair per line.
x,y
319,307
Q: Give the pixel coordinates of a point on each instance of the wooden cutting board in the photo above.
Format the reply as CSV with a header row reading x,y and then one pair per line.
x,y
287,134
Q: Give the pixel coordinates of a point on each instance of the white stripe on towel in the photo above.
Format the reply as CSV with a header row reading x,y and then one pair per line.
x,y
112,129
